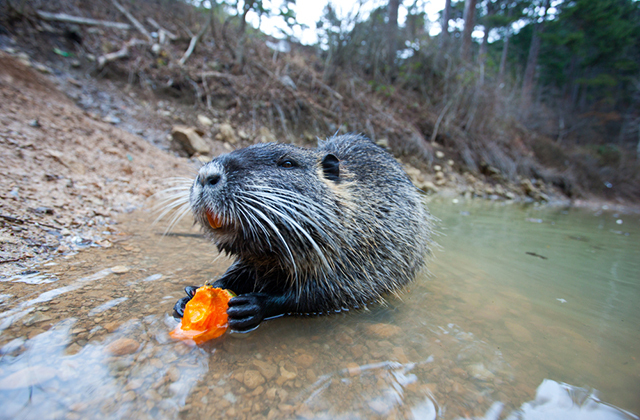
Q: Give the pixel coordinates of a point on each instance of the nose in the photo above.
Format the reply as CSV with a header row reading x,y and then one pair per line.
x,y
211,179
210,175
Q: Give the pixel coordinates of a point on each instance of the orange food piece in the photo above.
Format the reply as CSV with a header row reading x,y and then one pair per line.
x,y
205,315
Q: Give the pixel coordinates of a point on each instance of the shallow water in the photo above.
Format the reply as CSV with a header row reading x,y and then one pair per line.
x,y
527,312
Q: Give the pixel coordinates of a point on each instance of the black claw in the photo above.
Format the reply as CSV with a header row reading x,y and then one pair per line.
x,y
178,308
244,324
190,290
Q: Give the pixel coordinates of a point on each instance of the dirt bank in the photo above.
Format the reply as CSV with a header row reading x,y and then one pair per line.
x,y
64,175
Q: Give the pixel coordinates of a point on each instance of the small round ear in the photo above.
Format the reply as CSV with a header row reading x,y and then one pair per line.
x,y
331,167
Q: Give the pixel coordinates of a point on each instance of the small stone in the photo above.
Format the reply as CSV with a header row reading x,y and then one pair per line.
x,y
285,375
439,175
173,373
119,269
204,120
383,330
243,134
35,123
304,360
271,393
265,136
383,142
268,370
112,119
252,379
111,326
353,369
480,372
437,168
311,375
439,154
189,139
450,162
226,134
427,186
122,346
128,396
259,390
400,356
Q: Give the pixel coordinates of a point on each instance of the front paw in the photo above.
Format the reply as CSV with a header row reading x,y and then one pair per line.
x,y
178,308
246,312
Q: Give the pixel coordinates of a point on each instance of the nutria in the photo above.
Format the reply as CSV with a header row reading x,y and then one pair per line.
x,y
312,230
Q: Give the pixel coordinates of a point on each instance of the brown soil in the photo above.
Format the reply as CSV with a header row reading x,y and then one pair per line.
x,y
64,175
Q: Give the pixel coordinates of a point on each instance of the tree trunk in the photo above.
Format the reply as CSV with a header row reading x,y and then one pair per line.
x,y
482,55
503,57
444,35
469,16
532,60
392,35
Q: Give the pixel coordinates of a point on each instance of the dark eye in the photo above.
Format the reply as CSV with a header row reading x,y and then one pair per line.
x,y
287,163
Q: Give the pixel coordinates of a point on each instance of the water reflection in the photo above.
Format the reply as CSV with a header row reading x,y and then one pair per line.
x,y
559,401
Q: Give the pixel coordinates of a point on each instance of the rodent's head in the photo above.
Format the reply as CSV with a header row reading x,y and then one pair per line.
x,y
267,200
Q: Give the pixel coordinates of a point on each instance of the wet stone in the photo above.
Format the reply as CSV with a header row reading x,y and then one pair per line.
x,y
252,379
119,269
383,330
122,346
304,360
267,369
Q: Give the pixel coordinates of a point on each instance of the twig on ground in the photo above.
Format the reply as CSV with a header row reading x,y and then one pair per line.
x,y
10,260
194,41
160,29
63,17
121,53
133,20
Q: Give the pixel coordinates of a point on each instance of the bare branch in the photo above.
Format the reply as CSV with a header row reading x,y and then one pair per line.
x,y
440,117
194,41
133,20
63,17
121,53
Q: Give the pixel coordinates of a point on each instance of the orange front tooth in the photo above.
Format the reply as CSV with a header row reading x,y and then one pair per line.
x,y
214,221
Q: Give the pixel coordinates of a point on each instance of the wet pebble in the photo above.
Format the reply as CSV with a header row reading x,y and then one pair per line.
x,y
252,379
122,346
304,360
267,369
119,269
383,330
480,372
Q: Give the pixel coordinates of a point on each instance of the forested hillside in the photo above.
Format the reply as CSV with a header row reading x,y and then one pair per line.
x,y
523,93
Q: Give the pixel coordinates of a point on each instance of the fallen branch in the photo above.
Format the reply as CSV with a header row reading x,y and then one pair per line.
x,y
194,41
121,53
160,29
219,75
133,20
63,17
